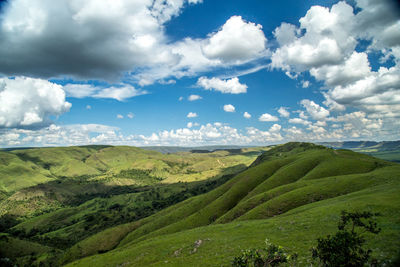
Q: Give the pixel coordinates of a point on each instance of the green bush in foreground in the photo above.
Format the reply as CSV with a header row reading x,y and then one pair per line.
x,y
271,255
345,248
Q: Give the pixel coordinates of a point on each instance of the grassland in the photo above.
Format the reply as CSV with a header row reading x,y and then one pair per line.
x,y
149,209
57,197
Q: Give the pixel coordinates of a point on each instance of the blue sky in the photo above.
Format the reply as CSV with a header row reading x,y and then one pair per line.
x,y
193,72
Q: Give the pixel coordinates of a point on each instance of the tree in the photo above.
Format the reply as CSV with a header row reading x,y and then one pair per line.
x,y
345,248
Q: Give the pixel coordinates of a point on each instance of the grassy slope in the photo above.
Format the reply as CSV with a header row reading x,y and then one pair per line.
x,y
33,181
296,230
11,247
292,177
16,173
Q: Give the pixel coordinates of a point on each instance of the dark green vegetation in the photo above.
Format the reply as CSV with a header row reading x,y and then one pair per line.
x,y
345,248
387,150
271,255
196,209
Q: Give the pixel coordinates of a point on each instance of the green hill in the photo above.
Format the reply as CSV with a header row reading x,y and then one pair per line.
x,y
292,194
125,206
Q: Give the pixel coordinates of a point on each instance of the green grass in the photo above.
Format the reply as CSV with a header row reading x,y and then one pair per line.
x,y
281,182
291,194
296,230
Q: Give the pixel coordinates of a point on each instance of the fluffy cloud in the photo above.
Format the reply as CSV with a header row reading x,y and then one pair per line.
x,y
326,40
267,117
378,21
30,102
247,115
229,108
259,136
305,84
130,115
299,121
316,111
103,38
236,41
119,93
283,112
376,93
194,97
325,45
230,86
355,67
108,40
192,115
119,116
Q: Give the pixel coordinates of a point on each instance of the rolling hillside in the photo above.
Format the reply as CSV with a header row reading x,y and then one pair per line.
x,y
143,208
292,194
56,197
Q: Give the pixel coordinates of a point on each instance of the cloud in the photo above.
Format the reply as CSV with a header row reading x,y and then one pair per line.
x,y
316,111
335,44
305,84
88,107
119,93
230,86
53,135
326,39
299,121
229,108
353,68
247,115
376,93
130,115
119,116
194,97
27,102
191,124
236,41
259,136
283,112
110,40
192,115
267,117
102,40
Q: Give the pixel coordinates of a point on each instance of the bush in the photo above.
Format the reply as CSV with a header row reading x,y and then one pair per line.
x,y
271,255
345,248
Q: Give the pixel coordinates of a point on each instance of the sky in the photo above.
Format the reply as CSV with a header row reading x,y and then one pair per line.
x,y
198,72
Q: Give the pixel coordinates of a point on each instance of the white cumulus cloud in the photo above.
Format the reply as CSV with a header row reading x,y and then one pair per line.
x,y
247,115
283,112
192,115
28,102
229,108
316,111
236,41
230,86
194,97
267,117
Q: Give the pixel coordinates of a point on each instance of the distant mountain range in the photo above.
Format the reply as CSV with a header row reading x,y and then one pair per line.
x,y
175,149
388,150
364,145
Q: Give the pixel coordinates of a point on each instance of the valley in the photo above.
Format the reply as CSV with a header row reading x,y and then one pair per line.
x,y
120,206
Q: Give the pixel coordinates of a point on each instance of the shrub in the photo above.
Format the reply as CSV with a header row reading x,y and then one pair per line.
x,y
271,255
345,248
